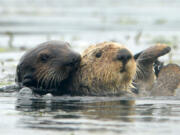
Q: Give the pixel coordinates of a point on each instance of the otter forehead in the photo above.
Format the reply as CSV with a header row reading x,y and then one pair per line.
x,y
55,47
110,45
55,43
56,50
110,48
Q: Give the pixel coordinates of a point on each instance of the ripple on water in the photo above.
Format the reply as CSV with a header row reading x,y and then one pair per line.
x,y
99,115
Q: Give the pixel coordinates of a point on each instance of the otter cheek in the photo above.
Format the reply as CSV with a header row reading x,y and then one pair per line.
x,y
68,69
130,67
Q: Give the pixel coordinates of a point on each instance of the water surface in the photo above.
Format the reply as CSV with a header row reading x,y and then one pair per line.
x,y
87,115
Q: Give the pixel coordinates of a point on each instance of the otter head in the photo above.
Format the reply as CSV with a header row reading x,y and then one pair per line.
x,y
47,65
106,68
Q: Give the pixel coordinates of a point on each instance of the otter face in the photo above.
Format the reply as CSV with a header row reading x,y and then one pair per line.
x,y
51,62
108,66
55,62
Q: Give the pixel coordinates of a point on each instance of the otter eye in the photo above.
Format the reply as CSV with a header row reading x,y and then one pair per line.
x,y
44,57
98,55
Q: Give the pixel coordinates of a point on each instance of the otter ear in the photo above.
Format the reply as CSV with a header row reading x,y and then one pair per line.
x,y
44,57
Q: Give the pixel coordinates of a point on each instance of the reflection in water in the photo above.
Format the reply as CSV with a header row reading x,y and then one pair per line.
x,y
92,113
75,113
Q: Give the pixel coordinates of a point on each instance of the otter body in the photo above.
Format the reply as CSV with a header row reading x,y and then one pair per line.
x,y
168,81
110,69
105,69
47,66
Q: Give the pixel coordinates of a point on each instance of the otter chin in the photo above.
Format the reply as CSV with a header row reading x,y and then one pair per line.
x,y
47,66
105,69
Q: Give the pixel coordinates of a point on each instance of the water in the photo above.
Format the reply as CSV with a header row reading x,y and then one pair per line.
x,y
137,24
87,115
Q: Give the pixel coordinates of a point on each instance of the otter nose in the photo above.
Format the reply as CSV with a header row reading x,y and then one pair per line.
x,y
75,59
124,55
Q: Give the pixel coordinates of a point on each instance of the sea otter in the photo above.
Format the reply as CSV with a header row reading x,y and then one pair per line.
x,y
45,67
109,68
105,69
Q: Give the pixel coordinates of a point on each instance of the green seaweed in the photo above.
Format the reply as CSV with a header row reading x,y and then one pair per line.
x,y
3,50
160,21
126,21
7,49
5,83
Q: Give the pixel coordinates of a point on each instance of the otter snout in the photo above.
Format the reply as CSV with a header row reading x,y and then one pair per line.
x,y
124,56
76,59
73,60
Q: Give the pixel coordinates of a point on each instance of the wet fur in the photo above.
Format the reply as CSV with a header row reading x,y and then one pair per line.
x,y
102,76
168,81
148,68
45,67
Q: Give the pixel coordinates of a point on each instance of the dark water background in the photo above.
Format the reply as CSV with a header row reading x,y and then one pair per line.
x,y
137,24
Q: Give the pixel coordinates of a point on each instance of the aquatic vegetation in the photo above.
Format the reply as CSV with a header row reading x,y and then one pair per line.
x,y
3,50
5,83
137,37
126,21
11,38
160,21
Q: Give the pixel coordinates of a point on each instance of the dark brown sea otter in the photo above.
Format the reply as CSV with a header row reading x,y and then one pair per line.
x,y
47,66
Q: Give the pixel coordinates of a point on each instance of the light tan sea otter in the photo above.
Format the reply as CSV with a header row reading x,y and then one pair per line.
x,y
109,68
